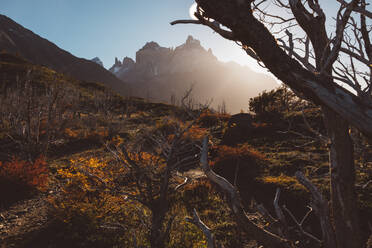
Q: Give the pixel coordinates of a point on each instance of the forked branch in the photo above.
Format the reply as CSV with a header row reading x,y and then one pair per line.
x,y
262,236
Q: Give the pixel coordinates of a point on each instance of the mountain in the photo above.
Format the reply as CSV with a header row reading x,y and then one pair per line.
x,y
18,40
97,61
161,73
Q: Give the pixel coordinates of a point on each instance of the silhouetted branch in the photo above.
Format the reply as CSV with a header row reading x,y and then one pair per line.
x,y
262,236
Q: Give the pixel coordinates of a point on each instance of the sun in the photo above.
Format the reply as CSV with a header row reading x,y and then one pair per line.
x,y
192,11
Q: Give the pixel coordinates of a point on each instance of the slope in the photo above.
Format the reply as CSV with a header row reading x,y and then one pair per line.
x,y
16,39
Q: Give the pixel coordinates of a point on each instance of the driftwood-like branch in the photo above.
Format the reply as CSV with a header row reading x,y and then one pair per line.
x,y
266,215
211,242
321,208
299,225
279,214
262,236
182,184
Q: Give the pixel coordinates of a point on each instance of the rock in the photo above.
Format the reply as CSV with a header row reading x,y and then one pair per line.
x,y
159,72
98,61
117,62
128,62
150,45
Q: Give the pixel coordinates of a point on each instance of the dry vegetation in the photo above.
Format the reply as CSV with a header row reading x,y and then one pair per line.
x,y
111,172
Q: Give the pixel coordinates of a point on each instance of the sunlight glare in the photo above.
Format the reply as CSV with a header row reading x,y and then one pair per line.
x,y
192,11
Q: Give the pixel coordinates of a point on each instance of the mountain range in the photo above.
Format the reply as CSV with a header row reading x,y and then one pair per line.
x,y
158,73
161,73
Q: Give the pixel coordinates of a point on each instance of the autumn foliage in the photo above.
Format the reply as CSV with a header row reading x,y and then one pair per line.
x,y
210,119
20,179
88,209
30,174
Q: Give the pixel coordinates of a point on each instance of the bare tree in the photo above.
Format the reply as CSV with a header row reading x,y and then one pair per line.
x,y
150,176
34,116
331,69
221,108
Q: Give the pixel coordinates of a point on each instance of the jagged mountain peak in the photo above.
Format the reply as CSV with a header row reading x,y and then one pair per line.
x,y
152,45
161,71
191,42
97,60
128,62
117,62
121,68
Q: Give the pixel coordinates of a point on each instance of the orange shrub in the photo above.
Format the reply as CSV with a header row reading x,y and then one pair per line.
x,y
89,200
240,165
260,124
68,132
168,125
99,133
242,152
34,175
209,119
195,133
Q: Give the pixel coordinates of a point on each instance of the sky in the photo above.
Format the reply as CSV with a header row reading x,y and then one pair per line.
x,y
116,28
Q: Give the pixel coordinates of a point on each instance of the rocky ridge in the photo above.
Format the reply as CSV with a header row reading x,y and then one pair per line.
x,y
161,72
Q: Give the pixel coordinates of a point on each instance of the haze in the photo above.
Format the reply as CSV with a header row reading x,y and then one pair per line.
x,y
117,28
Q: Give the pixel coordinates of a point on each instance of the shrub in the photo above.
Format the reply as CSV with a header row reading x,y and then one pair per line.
x,y
87,212
195,133
19,179
240,165
167,125
273,104
210,119
30,174
69,133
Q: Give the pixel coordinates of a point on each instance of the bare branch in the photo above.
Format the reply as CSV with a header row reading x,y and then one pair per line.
x,y
211,242
182,184
264,237
300,224
279,213
342,20
358,9
224,33
320,206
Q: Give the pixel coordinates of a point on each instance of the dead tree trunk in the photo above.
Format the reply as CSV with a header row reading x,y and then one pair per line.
x,y
157,235
318,83
342,169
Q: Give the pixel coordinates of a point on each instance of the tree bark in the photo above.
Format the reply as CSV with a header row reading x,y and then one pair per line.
x,y
157,237
343,197
340,106
238,17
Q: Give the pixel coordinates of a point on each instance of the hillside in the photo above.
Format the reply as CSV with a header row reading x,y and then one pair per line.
x,y
164,73
99,181
18,40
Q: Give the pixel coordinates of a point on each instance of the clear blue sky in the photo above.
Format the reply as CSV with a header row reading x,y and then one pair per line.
x,y
115,28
